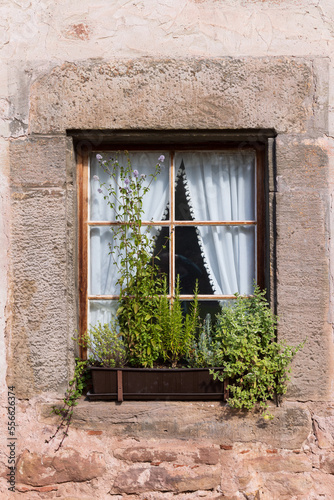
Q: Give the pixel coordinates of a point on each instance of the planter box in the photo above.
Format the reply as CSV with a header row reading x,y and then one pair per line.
x,y
156,384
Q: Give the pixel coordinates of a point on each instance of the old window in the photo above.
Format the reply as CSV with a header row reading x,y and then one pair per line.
x,y
206,207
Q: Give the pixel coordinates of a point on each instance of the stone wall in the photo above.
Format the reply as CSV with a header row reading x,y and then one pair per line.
x,y
240,67
185,451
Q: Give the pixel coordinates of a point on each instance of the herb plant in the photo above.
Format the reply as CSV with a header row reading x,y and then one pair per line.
x,y
105,345
152,326
178,329
139,280
256,364
205,352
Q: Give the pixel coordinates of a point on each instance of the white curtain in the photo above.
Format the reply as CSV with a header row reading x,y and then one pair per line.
x,y
103,266
221,186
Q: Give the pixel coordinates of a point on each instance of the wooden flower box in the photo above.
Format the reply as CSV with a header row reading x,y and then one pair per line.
x,y
185,384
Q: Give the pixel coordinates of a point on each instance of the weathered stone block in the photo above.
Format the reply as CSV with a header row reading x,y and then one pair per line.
x,y
209,423
189,454
66,466
176,94
276,463
303,291
40,341
324,430
285,486
140,479
41,489
327,463
206,455
302,164
145,455
38,162
323,485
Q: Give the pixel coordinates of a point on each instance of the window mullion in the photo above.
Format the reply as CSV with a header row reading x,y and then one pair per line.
x,y
172,226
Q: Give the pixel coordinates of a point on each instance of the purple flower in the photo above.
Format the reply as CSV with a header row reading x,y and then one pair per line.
x,y
99,190
129,191
126,181
99,157
161,158
96,178
135,173
142,176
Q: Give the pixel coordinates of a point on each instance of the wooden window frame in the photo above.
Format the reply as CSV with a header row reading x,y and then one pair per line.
x,y
84,223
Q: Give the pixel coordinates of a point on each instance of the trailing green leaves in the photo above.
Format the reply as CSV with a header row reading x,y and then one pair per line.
x,y
256,364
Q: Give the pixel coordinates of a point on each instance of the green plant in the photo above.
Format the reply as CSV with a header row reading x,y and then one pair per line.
x,y
74,392
105,345
140,282
256,364
137,316
204,352
178,329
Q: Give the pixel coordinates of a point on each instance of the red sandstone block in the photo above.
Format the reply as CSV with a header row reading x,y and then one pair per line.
x,y
226,447
144,479
68,465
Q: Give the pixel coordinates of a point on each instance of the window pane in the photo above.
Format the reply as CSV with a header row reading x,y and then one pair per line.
x,y
104,265
222,258
161,250
155,202
101,311
189,262
215,186
211,307
183,205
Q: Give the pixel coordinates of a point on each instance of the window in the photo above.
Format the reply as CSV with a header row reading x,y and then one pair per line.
x,y
205,211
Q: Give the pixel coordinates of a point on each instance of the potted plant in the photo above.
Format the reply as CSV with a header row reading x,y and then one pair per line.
x,y
113,380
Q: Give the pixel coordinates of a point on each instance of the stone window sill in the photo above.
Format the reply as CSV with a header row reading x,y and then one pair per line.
x,y
213,421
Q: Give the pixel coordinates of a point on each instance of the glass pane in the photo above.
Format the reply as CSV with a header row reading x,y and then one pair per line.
x,y
105,258
189,262
161,250
183,206
215,186
101,311
221,258
155,202
206,307
103,266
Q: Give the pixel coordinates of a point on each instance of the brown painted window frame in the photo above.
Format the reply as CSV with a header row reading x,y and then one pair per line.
x,y
83,153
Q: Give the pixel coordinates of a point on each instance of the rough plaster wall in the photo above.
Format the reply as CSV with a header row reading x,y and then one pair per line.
x,y
36,36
